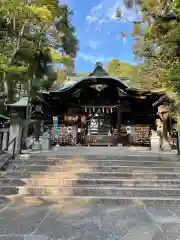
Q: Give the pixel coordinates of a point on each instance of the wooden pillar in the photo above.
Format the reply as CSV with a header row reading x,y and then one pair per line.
x,y
118,122
79,128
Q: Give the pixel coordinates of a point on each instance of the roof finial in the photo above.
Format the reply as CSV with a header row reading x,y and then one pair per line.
x,y
98,64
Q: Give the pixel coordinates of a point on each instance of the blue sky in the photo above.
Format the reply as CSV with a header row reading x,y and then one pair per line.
x,y
99,32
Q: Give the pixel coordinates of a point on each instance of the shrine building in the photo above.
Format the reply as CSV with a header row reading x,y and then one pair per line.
x,y
98,107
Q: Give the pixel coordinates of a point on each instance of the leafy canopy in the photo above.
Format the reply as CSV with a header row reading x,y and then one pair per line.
x,y
33,35
158,42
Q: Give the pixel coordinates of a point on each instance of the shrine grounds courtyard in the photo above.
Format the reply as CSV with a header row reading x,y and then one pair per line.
x,y
90,218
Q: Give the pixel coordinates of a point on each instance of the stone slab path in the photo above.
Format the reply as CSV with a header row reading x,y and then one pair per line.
x,y
90,219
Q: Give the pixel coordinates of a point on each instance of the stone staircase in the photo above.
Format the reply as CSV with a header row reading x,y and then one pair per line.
x,y
143,179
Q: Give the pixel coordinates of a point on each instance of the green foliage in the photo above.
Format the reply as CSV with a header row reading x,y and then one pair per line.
x,y
115,67
58,58
81,74
30,38
124,69
61,76
159,45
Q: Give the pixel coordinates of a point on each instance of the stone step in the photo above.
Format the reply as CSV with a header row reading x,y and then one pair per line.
x,y
134,175
112,182
123,156
118,200
51,174
175,183
12,181
93,168
93,191
9,190
53,162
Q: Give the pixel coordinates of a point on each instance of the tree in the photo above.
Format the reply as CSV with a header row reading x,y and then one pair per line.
x,y
30,39
81,74
124,69
68,38
160,44
61,76
120,69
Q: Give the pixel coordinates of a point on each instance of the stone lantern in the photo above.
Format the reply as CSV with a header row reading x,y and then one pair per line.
x,y
164,113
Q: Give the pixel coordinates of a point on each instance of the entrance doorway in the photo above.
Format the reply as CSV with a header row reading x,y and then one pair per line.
x,y
100,125
100,130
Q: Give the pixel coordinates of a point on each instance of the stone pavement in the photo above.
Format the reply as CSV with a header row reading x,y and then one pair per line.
x,y
89,220
86,218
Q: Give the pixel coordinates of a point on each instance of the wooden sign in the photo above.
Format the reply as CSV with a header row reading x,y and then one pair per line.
x,y
70,118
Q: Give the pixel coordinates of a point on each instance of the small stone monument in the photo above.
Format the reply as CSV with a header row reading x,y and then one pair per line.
x,y
36,145
45,144
155,141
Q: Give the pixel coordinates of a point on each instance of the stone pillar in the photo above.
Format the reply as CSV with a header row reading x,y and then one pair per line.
x,y
38,127
155,142
45,141
15,131
4,140
38,114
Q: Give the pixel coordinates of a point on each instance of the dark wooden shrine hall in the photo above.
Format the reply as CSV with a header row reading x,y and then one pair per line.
x,y
104,98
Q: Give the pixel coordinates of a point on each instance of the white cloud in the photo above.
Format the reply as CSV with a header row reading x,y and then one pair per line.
x,y
93,44
92,58
105,12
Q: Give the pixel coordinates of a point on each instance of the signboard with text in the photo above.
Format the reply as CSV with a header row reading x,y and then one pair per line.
x,y
56,129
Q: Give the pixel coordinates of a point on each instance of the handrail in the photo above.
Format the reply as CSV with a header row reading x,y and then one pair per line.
x,y
13,141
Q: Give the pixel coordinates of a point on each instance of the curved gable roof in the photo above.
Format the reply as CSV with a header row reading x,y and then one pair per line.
x,y
98,73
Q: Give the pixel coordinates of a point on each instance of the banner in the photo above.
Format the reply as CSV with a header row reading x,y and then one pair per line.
x,y
56,130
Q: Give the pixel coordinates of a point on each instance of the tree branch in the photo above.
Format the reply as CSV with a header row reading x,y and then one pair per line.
x,y
17,44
